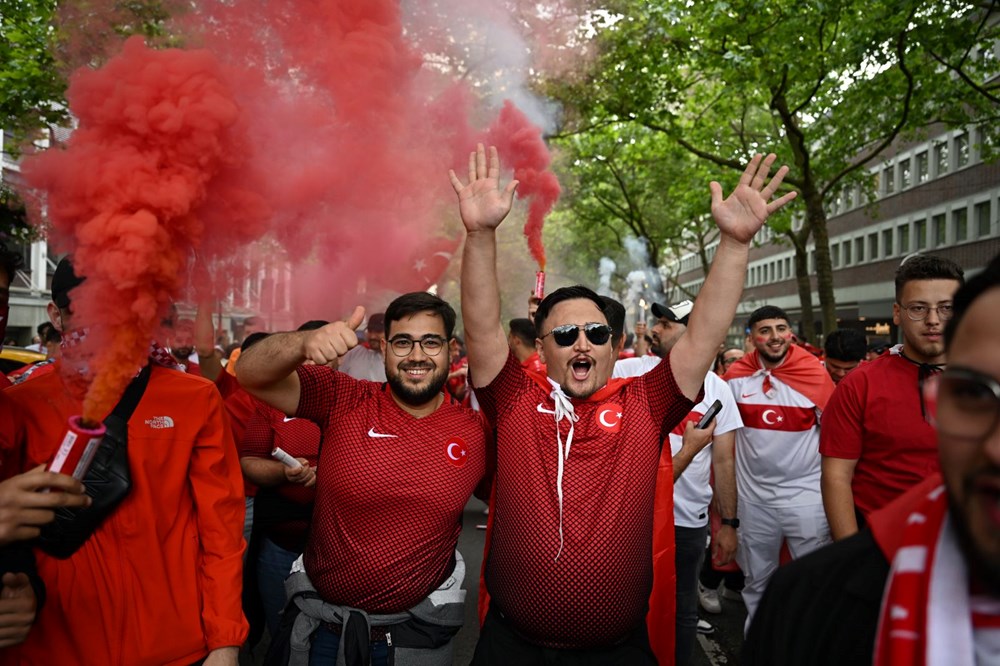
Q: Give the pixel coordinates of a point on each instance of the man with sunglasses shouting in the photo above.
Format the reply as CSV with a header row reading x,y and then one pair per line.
x,y
569,568
920,585
397,464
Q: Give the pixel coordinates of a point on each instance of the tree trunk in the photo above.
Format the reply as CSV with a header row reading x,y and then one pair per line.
x,y
803,283
824,268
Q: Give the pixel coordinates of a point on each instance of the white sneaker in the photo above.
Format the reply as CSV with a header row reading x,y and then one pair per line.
x,y
731,595
709,600
705,628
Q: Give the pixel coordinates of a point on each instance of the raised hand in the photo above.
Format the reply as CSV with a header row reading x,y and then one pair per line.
x,y
744,212
482,204
332,341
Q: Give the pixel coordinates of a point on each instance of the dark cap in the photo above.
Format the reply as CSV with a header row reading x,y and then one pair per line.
x,y
678,312
376,323
63,282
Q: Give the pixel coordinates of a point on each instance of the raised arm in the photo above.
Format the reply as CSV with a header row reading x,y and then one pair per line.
x,y
209,358
267,369
738,217
483,206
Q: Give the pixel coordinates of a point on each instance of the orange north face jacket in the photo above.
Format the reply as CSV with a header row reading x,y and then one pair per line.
x,y
159,582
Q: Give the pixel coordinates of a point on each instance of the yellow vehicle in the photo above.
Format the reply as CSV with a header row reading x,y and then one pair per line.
x,y
12,358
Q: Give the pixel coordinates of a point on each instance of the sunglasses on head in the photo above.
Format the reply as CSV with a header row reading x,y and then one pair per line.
x,y
567,334
962,403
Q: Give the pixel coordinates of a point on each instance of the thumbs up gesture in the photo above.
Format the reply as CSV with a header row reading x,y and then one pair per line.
x,y
332,341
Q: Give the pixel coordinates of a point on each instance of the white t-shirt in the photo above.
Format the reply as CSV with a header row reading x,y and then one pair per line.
x,y
777,450
692,490
363,363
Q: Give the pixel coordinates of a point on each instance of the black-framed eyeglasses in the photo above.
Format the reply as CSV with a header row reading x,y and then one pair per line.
x,y
402,345
567,334
962,403
919,311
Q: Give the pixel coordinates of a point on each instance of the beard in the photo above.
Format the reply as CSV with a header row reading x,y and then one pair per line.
x,y
981,566
182,353
772,358
416,396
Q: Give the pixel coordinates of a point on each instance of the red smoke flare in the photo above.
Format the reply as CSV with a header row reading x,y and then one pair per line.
x,y
157,158
520,145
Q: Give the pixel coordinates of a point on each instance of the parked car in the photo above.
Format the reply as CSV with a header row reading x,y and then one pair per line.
x,y
12,358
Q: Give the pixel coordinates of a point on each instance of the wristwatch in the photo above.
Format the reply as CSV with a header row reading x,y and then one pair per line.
x,y
731,522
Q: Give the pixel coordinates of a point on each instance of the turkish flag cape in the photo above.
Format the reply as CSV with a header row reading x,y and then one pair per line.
x,y
660,618
800,370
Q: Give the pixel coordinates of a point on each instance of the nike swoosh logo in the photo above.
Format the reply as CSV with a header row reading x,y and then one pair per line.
x,y
747,395
372,433
288,418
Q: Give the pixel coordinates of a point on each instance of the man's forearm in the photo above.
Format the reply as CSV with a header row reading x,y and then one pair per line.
x,y
724,466
270,360
481,306
263,472
838,502
711,317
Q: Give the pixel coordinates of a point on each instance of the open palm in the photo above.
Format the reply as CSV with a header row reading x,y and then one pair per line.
x,y
744,211
482,204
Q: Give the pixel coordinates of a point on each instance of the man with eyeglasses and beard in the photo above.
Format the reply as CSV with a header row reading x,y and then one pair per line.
x,y
920,585
569,568
875,441
397,465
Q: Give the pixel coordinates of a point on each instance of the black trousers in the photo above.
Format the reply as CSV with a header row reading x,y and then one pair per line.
x,y
500,645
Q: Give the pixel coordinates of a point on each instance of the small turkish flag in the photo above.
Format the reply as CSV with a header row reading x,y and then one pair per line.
x,y
456,451
609,416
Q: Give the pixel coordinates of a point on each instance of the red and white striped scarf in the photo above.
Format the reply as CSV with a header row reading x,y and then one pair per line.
x,y
158,354
926,617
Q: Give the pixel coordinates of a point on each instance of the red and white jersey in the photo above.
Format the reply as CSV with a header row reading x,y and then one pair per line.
x,y
693,489
390,491
777,450
587,584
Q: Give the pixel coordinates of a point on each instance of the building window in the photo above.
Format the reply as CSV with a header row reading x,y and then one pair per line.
x,y
904,174
888,182
983,221
961,150
920,231
872,247
960,223
859,250
788,267
887,243
941,158
923,168
835,255
940,230
847,253
903,233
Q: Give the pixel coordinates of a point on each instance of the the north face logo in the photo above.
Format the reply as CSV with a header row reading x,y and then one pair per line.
x,y
160,422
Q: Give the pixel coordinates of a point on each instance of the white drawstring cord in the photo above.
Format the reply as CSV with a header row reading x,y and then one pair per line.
x,y
563,410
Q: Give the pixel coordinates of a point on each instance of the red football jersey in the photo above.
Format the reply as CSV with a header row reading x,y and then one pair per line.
x,y
390,492
597,591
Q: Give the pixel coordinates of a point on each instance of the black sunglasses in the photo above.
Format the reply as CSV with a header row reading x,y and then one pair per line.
x,y
567,334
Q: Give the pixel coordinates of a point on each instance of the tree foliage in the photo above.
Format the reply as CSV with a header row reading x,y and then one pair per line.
x,y
828,85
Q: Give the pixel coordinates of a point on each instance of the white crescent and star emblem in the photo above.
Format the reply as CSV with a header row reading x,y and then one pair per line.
x,y
609,417
774,414
455,451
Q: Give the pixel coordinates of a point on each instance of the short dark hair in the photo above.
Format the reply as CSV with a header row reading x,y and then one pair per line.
x,y
51,335
846,344
420,301
969,292
766,312
615,313
312,325
565,294
41,328
252,339
927,267
522,329
10,260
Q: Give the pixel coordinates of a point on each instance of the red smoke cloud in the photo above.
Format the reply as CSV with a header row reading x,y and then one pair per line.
x,y
314,125
155,165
